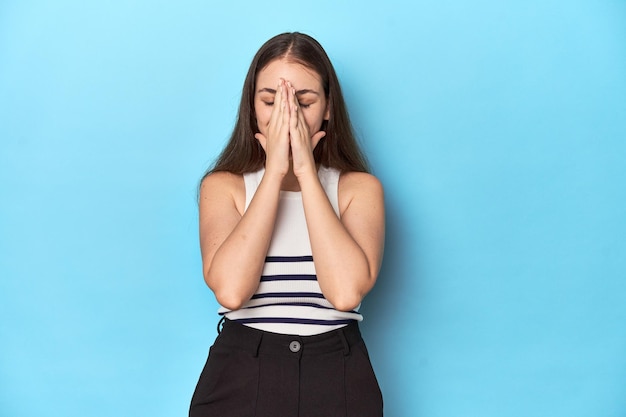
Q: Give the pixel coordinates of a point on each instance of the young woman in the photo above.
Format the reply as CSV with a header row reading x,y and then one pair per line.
x,y
291,234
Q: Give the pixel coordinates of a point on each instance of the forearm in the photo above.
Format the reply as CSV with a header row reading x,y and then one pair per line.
x,y
343,269
235,269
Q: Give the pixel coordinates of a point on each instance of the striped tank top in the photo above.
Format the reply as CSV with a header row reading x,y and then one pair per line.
x,y
289,299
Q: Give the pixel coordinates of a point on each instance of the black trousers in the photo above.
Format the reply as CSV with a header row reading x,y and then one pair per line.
x,y
252,373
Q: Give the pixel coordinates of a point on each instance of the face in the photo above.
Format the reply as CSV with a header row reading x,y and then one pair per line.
x,y
309,92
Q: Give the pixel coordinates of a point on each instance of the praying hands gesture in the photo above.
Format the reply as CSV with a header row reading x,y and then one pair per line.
x,y
290,131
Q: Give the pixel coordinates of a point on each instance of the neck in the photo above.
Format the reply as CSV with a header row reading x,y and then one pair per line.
x,y
290,182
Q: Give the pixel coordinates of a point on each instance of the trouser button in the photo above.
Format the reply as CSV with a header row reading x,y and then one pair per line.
x,y
295,346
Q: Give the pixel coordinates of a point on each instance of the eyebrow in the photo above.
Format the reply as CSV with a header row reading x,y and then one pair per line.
x,y
298,93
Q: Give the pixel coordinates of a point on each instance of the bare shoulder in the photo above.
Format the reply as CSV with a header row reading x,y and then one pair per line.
x,y
358,179
360,186
223,186
359,182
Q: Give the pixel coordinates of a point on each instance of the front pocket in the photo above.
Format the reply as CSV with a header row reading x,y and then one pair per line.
x,y
363,395
228,384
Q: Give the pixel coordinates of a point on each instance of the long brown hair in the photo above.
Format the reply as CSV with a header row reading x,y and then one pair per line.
x,y
338,149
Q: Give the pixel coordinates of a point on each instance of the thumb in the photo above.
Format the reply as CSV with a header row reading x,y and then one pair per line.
x,y
262,140
317,137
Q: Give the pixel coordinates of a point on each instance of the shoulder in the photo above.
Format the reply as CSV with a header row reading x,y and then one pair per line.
x,y
359,182
358,185
221,181
223,185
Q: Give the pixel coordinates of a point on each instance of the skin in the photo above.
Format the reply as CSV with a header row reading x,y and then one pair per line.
x,y
290,107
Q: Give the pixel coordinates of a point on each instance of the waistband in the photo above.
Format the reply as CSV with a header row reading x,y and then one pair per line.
x,y
259,342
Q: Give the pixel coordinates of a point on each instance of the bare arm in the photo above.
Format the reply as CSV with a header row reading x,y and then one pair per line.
x,y
233,245
347,251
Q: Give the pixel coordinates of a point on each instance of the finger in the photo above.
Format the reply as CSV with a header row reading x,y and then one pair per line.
x,y
293,108
284,97
292,93
301,126
301,120
284,109
277,109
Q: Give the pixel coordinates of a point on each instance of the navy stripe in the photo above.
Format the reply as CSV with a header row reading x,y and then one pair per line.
x,y
300,277
287,295
288,259
293,320
294,305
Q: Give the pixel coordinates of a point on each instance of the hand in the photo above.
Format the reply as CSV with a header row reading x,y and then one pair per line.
x,y
302,143
276,144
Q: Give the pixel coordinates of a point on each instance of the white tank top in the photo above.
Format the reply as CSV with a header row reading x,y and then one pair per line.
x,y
289,299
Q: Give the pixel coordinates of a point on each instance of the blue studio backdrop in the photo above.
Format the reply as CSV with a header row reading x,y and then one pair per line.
x,y
498,129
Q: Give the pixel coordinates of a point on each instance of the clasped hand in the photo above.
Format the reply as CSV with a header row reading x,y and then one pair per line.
x,y
288,139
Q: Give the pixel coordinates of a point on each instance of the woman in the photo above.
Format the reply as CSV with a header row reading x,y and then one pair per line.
x,y
291,234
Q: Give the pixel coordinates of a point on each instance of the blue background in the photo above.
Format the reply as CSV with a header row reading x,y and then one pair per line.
x,y
497,127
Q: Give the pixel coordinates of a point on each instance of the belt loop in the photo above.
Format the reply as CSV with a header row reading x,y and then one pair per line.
x,y
344,342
